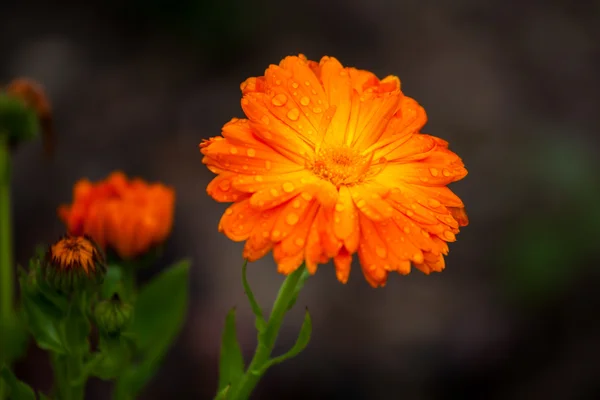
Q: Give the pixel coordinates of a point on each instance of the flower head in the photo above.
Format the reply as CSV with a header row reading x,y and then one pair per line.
x,y
113,315
330,162
73,261
128,216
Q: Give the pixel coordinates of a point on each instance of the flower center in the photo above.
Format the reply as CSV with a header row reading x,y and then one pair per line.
x,y
340,165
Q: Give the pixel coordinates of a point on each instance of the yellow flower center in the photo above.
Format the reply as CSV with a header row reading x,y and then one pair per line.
x,y
341,165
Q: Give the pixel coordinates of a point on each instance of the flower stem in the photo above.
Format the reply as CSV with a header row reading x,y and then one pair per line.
x,y
266,340
6,267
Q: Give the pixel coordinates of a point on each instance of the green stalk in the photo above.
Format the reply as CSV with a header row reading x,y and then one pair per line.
x,y
6,265
266,341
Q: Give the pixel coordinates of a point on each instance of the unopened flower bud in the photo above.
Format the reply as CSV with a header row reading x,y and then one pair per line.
x,y
112,316
74,262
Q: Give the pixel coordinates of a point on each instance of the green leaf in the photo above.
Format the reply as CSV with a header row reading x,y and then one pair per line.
x,y
261,324
222,395
17,389
13,340
42,396
305,274
159,314
43,326
231,364
301,343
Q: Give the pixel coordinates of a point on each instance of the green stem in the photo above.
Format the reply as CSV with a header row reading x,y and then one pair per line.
x,y
6,266
266,341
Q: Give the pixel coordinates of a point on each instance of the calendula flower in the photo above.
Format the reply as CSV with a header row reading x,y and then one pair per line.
x,y
330,162
72,262
128,216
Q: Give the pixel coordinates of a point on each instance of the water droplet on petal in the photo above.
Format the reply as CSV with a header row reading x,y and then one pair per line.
x,y
293,114
268,164
275,233
307,196
258,178
317,110
233,150
278,82
265,120
296,203
446,172
292,218
288,187
418,257
265,234
339,207
423,178
245,167
304,101
433,203
381,251
410,213
225,185
299,242
361,203
274,192
295,85
307,83
434,171
279,100
229,211
251,152
406,229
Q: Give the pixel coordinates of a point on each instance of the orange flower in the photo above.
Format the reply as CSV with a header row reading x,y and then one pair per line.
x,y
127,216
331,162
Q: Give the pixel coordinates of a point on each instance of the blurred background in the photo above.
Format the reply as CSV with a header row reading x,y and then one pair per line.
x,y
513,86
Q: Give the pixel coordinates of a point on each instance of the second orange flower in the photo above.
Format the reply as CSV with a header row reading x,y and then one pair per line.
x,y
330,162
128,216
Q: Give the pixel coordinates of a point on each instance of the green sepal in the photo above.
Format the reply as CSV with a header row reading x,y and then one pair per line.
x,y
231,362
261,324
222,395
301,343
17,389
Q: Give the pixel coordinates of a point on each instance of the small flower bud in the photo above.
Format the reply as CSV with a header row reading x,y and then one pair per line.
x,y
112,316
72,263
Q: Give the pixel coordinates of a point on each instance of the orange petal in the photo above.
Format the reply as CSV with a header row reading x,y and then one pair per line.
x,y
343,262
239,220
345,220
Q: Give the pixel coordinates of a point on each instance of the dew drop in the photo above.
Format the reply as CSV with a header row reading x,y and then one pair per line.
x,y
423,178
279,100
274,192
304,101
295,85
410,213
299,242
293,114
268,164
406,229
433,203
251,152
381,252
265,234
434,171
446,172
288,187
372,267
292,218
229,211
306,196
258,178
245,167
361,203
313,91
339,207
276,233
225,185
278,82
265,120
296,204
233,150
418,257
307,83
317,110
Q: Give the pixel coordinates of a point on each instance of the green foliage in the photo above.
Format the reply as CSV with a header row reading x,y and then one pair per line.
x,y
231,364
160,310
16,389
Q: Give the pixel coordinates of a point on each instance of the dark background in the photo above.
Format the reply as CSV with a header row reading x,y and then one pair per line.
x,y
513,86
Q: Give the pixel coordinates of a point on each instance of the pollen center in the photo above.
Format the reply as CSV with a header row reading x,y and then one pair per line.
x,y
340,165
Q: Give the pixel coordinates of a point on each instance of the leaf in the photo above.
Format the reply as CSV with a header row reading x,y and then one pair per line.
x,y
42,326
42,396
222,395
13,340
16,389
261,324
159,314
301,343
231,363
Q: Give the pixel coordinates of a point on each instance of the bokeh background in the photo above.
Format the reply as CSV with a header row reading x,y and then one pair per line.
x,y
513,86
